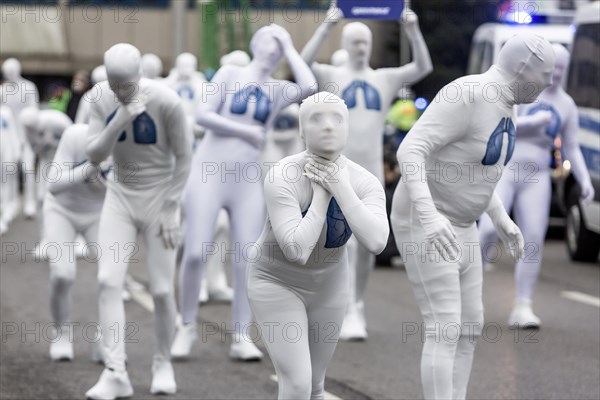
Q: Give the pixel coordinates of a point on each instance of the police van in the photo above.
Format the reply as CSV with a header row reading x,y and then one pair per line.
x,y
583,84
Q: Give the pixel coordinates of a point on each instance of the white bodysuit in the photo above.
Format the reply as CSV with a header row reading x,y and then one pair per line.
x,y
10,154
451,161
151,158
72,206
298,271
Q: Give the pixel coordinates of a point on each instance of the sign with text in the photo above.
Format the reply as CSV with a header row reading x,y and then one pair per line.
x,y
371,9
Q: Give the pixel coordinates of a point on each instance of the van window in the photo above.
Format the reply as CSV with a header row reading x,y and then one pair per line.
x,y
584,74
481,58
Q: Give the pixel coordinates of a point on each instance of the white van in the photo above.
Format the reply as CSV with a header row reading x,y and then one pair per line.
x,y
583,220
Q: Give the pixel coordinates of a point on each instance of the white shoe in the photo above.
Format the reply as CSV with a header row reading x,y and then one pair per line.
x,y
522,317
163,378
354,327
125,295
111,385
62,349
3,227
203,296
30,210
184,340
221,294
243,349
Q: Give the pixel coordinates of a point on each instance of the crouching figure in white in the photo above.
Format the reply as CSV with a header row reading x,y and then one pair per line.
x,y
299,276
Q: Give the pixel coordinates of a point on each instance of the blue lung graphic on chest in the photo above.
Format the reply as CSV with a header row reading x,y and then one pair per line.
x,y
239,104
186,92
338,230
370,95
144,129
496,140
554,127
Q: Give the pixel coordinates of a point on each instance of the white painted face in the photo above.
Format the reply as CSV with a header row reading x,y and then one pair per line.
x,y
562,63
357,40
123,68
528,62
186,65
151,66
324,124
11,69
265,49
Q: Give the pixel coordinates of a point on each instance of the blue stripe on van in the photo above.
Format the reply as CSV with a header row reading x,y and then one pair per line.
x,y
592,159
589,124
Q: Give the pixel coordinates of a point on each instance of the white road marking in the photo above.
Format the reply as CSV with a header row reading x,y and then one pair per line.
x,y
328,396
581,298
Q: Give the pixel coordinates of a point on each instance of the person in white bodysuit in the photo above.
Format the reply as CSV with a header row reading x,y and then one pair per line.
x,y
83,110
142,124
10,154
43,129
152,66
72,206
298,274
19,93
236,57
526,188
368,93
241,104
451,161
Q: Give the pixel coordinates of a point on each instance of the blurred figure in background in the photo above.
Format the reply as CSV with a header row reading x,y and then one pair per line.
x,y
368,93
79,86
10,154
152,66
19,93
92,95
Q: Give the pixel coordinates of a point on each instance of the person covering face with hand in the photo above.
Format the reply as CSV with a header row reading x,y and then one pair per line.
x,y
468,131
241,105
315,201
141,123
526,188
368,93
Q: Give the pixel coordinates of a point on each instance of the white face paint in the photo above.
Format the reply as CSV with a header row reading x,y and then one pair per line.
x,y
357,41
324,124
11,69
186,65
266,50
123,62
151,66
528,63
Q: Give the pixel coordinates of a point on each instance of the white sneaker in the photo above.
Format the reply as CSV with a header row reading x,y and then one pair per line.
x,y
163,378
111,385
30,210
203,295
354,327
184,340
522,317
243,349
221,294
62,349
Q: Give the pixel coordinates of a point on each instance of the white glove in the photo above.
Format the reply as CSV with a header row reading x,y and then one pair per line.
x,y
333,15
409,19
587,192
439,234
332,175
169,226
509,232
256,136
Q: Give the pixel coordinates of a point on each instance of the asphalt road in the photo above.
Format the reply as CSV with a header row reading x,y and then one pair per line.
x,y
560,361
